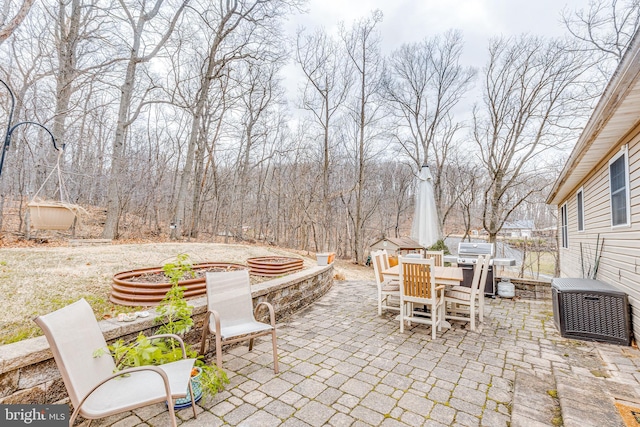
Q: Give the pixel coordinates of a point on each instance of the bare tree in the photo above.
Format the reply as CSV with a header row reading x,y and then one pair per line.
x,y
362,43
396,186
325,90
26,68
206,163
260,92
240,30
141,51
530,85
7,28
424,83
79,41
604,31
468,189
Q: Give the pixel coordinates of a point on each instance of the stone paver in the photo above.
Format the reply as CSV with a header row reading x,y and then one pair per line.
x,y
315,413
343,365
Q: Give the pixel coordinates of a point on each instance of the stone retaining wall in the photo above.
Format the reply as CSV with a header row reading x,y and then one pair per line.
x,y
530,289
28,373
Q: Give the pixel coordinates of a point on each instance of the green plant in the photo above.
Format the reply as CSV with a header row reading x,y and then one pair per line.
x,y
439,246
174,313
174,317
177,271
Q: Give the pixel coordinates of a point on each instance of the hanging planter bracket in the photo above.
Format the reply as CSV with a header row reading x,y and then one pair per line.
x,y
10,128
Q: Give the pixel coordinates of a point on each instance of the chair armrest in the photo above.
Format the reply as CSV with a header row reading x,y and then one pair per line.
x,y
206,329
152,337
163,375
216,320
272,314
174,337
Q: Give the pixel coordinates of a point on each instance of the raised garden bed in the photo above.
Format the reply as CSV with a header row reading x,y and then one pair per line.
x,y
147,286
273,266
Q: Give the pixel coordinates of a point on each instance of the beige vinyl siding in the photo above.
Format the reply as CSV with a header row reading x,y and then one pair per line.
x,y
620,260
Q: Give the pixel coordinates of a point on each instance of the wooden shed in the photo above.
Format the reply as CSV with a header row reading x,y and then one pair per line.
x,y
397,245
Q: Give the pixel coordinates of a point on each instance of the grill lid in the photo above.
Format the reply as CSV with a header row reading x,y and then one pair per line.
x,y
470,249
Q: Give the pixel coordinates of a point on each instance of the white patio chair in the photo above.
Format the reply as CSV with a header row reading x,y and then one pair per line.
x,y
461,301
418,286
94,389
231,317
386,288
437,256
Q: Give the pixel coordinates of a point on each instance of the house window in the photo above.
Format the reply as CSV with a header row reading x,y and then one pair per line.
x,y
619,189
564,226
580,208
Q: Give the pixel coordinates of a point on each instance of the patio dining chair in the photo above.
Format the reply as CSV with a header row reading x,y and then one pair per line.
x,y
461,301
231,317
437,256
386,288
95,389
418,287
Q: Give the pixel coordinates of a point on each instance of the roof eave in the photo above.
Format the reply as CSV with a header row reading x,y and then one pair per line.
x,y
623,80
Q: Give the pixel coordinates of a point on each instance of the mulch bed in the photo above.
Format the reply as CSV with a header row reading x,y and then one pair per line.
x,y
160,277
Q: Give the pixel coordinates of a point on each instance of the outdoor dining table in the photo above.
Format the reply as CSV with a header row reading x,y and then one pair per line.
x,y
448,276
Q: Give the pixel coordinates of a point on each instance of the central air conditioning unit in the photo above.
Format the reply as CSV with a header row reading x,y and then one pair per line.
x,y
591,310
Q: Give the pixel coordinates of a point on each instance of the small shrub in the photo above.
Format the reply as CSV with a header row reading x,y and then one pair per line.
x,y
440,246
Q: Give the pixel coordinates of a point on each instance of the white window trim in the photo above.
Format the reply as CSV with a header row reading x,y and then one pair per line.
x,y
623,152
564,243
578,207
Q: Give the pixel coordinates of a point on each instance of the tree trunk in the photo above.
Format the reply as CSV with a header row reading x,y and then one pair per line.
x,y
110,230
194,137
359,231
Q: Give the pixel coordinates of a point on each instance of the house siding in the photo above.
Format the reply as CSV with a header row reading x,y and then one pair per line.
x,y
620,259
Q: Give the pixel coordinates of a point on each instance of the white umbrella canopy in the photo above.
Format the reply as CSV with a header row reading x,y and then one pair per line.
x,y
426,226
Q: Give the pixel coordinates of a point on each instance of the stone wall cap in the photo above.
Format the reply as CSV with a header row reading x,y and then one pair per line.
x,y
545,282
23,353
265,287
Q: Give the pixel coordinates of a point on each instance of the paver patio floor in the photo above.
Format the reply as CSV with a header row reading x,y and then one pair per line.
x,y
343,365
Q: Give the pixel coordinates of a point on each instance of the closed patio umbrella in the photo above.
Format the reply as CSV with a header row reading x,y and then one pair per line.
x,y
426,226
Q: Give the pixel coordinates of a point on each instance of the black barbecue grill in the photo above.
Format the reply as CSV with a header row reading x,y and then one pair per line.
x,y
468,254
467,257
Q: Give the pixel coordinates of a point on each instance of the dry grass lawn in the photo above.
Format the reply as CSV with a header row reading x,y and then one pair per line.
x,y
37,280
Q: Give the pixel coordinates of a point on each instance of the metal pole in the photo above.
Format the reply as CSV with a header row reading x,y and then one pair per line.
x,y
7,135
10,129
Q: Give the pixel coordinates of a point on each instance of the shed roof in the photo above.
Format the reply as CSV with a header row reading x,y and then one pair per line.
x,y
400,242
617,112
519,224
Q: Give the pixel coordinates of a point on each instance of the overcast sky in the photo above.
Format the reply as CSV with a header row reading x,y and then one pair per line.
x,y
413,20
407,21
